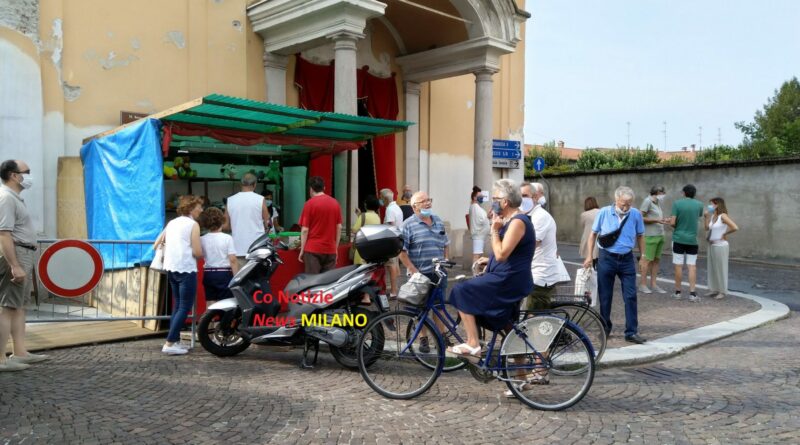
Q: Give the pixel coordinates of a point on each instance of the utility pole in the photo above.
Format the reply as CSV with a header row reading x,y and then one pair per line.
x,y
700,138
665,136
629,134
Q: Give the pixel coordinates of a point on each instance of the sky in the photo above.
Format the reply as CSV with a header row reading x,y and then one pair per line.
x,y
593,66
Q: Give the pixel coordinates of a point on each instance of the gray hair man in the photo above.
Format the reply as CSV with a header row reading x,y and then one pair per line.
x,y
246,216
17,247
392,217
618,229
545,266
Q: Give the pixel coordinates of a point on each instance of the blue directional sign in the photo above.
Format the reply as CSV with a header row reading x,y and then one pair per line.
x,y
538,164
503,149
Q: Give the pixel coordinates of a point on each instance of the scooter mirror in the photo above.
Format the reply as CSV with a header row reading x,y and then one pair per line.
x,y
282,245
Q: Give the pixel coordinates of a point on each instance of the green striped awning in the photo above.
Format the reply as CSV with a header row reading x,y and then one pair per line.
x,y
234,113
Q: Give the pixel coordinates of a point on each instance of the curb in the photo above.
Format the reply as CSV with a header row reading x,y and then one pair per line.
x,y
675,344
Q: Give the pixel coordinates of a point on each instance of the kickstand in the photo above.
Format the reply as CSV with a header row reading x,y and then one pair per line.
x,y
306,349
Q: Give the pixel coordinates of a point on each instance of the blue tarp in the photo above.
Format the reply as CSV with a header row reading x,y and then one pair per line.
x,y
125,191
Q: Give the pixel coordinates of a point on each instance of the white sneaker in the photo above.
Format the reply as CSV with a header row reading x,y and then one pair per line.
x,y
694,298
13,365
182,345
656,288
644,289
30,358
676,295
173,350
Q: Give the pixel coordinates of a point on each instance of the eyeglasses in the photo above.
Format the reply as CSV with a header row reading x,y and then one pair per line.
x,y
427,201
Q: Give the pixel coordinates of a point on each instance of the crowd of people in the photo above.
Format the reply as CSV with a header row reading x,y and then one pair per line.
x,y
522,269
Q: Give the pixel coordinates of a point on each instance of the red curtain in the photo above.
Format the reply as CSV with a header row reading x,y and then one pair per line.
x,y
315,83
381,95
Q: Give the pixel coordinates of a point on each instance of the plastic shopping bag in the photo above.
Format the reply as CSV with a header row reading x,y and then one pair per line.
x,y
586,284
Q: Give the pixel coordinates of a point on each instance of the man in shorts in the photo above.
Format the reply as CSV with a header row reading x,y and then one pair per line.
x,y
685,214
653,239
17,247
393,217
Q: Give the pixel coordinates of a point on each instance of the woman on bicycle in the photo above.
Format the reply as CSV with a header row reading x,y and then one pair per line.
x,y
493,298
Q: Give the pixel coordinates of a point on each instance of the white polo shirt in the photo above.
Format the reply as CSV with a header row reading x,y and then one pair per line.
x,y
394,215
544,266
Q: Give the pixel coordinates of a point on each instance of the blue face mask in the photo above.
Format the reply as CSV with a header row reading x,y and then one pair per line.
x,y
380,202
480,199
425,212
711,208
496,207
269,202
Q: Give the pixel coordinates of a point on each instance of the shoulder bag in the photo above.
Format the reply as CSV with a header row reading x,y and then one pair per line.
x,y
609,239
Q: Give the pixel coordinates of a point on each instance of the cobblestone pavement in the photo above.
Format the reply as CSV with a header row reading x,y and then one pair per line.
x,y
744,389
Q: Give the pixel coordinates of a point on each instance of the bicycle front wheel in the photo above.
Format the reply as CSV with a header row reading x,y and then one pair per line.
x,y
401,370
448,321
548,380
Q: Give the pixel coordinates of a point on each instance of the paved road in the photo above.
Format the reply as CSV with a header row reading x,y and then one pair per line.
x,y
744,389
779,283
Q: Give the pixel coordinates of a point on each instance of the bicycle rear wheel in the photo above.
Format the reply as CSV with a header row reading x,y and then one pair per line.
x,y
590,323
547,381
400,370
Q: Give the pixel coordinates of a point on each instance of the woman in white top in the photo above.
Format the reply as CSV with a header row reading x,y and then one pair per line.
x,y
478,223
590,211
181,240
719,226
219,255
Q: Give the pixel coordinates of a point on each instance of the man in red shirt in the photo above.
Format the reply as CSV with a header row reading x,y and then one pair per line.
x,y
321,227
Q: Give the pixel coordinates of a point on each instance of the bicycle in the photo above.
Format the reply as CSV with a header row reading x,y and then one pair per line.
x,y
577,308
546,361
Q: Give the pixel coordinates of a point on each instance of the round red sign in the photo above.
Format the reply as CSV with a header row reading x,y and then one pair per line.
x,y
70,268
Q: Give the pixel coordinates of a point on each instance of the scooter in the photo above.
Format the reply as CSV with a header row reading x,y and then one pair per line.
x,y
332,307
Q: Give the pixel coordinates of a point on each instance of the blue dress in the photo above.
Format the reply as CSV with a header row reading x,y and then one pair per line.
x,y
494,296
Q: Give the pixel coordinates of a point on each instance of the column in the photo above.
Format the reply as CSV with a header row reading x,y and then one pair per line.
x,y
275,76
412,90
345,101
483,175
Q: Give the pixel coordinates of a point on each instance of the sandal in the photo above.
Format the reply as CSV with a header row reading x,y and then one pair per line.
x,y
466,351
535,378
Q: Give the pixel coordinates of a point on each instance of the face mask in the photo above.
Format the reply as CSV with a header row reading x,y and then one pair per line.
x,y
711,208
480,199
269,202
496,207
425,212
542,201
527,204
380,202
406,195
27,181
660,198
620,212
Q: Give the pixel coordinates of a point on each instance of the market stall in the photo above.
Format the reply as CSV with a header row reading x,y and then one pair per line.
x,y
134,173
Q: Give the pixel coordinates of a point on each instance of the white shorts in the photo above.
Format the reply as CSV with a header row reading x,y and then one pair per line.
x,y
477,246
679,258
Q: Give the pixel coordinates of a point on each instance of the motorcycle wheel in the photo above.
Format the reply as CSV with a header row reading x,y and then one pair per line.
x,y
347,356
222,341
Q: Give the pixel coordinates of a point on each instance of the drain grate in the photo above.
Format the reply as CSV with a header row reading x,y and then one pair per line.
x,y
661,373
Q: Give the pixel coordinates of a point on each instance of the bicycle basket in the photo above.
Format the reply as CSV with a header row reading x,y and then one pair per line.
x,y
415,290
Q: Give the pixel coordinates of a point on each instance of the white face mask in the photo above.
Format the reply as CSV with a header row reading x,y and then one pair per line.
x,y
660,198
527,205
27,181
542,201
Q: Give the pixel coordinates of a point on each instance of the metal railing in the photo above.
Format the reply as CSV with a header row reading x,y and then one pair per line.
x,y
128,290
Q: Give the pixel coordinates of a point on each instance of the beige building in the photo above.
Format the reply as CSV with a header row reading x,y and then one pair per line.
x,y
68,68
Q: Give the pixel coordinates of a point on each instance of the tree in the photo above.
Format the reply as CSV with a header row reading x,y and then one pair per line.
x,y
775,130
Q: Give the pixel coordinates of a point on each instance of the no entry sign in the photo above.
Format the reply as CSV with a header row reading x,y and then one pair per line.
x,y
70,268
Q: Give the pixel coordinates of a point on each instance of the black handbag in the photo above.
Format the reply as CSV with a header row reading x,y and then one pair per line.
x,y
610,238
